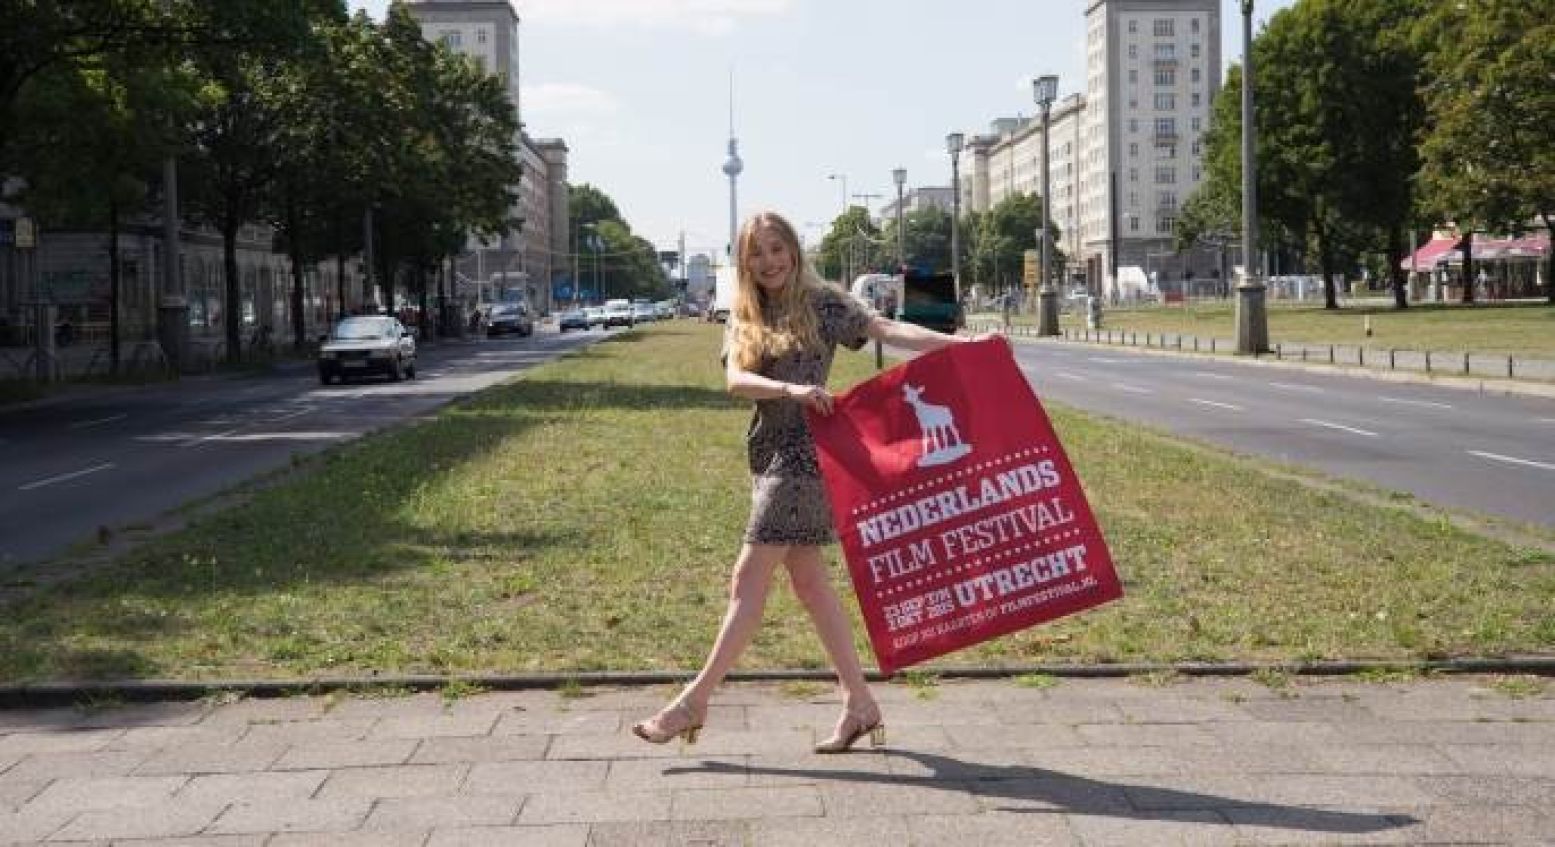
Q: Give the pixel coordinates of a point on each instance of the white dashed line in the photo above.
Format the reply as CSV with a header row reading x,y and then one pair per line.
x,y
1104,361
1226,406
1426,403
1208,375
1070,376
1511,460
1132,389
1291,386
109,419
1330,425
62,477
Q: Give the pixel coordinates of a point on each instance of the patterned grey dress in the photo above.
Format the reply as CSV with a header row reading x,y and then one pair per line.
x,y
788,499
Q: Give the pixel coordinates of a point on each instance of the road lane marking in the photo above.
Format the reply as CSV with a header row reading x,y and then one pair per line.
x,y
1512,460
1227,406
1132,389
1208,375
1331,425
63,477
1104,361
1292,386
1546,420
1426,403
1068,375
109,419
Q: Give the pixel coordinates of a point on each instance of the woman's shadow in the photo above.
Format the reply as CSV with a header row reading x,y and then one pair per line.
x,y
1035,790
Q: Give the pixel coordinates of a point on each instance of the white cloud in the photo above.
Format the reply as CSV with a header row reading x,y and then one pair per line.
x,y
708,17
553,99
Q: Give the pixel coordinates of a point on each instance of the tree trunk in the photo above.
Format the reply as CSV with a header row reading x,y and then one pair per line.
x,y
340,269
1468,267
1325,263
232,309
1396,266
1549,261
299,326
113,284
423,326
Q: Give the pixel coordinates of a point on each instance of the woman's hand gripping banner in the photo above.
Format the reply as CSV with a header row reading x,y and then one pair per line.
x,y
960,517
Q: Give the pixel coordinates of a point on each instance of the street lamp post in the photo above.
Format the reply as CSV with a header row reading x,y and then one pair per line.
x,y
898,176
953,144
842,254
1045,90
1252,322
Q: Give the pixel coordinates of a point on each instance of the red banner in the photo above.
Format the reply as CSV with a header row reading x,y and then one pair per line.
x,y
960,517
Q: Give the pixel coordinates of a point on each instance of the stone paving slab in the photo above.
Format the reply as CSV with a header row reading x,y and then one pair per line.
x,y
1082,762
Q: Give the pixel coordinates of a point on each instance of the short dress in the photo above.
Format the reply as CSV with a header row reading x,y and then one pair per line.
x,y
788,500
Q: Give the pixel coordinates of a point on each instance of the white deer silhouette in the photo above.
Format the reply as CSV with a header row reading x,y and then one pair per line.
x,y
941,440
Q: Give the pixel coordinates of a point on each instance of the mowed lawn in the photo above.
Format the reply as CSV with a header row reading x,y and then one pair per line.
x,y
584,518
1522,329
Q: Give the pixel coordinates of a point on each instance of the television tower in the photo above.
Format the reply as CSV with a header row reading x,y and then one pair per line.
x,y
732,168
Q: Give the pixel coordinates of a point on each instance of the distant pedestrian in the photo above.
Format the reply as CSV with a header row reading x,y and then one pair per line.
x,y
782,332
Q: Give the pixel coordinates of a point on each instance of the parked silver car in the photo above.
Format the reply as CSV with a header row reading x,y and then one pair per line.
x,y
372,344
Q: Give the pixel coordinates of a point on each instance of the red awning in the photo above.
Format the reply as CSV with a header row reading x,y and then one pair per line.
x,y
1433,251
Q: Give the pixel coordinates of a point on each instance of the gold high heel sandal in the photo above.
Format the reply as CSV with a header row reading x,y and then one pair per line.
x,y
674,721
854,727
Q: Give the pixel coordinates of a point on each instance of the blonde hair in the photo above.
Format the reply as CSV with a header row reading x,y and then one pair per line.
x,y
792,322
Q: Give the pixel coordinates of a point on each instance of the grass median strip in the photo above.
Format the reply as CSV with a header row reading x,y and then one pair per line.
x,y
585,517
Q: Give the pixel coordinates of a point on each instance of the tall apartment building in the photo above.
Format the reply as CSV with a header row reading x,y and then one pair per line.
x,y
917,199
1152,73
487,32
1130,142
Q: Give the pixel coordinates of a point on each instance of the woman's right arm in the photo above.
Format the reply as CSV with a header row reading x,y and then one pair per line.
x,y
754,386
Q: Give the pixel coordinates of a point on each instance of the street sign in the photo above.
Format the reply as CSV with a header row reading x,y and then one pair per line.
x,y
1030,267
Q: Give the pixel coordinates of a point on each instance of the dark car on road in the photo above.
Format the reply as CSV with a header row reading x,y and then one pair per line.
x,y
374,344
575,319
509,317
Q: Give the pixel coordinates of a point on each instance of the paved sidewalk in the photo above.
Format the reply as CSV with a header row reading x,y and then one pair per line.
x,y
1085,762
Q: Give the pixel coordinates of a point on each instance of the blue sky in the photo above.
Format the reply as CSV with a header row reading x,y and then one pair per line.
x,y
639,89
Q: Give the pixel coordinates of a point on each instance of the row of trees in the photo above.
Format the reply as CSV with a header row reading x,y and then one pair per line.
x,y
612,260
993,243
286,112
1378,119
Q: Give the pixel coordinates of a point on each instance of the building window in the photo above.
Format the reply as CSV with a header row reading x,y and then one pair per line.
x,y
1168,200
1166,52
451,40
1198,173
1133,198
1165,127
1165,27
1133,124
1196,75
1133,174
1193,25
1194,50
1198,146
1133,51
1198,124
1133,148
1133,103
1165,76
1133,76
1165,175
1198,100
1168,102
1165,224
480,36
1133,223
1133,27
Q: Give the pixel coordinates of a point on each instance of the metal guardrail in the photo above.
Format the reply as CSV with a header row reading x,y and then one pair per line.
x,y
1444,362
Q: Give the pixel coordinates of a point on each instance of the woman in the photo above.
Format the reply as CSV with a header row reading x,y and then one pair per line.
x,y
784,326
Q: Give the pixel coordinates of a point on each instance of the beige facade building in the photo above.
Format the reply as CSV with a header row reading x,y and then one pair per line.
x,y
532,256
1130,142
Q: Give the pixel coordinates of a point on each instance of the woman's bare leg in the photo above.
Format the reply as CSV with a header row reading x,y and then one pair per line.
x,y
748,589
812,585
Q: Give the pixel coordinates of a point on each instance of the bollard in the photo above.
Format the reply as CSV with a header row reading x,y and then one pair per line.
x,y
1428,361
1509,374
1303,352
1465,362
1212,345
1392,359
1279,351
1360,353
1330,354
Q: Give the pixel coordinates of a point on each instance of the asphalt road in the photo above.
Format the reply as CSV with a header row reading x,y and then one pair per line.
x,y
1483,453
118,459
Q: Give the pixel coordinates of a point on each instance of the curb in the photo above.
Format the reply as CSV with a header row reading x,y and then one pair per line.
x,y
1483,385
57,694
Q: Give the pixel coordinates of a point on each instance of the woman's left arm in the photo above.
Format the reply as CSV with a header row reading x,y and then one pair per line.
x,y
914,337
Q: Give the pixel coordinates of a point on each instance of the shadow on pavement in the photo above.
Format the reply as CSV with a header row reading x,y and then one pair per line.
x,y
1035,790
